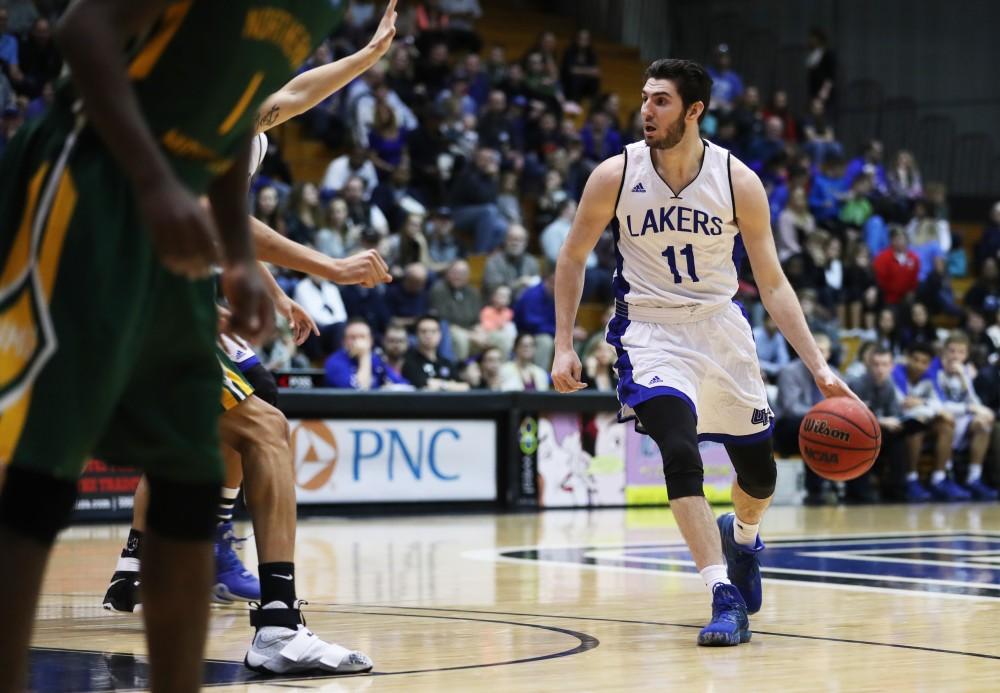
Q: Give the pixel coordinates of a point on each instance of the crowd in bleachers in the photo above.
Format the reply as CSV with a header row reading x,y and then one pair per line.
x,y
463,164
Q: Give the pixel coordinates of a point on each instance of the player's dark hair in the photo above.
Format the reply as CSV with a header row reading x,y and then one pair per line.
x,y
920,348
690,79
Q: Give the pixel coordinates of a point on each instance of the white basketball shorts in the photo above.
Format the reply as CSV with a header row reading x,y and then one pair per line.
x,y
709,363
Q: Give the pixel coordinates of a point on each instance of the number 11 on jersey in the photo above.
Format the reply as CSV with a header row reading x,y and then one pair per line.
x,y
686,251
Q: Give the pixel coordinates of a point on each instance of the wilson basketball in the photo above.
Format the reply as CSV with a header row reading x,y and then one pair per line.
x,y
840,438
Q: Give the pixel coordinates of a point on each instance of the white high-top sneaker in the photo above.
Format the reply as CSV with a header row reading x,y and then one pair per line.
x,y
283,645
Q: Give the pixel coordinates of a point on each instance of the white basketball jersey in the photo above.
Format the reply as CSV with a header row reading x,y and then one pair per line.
x,y
676,252
258,150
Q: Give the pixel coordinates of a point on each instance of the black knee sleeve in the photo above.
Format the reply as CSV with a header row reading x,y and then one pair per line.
x,y
36,505
181,511
756,472
264,384
670,422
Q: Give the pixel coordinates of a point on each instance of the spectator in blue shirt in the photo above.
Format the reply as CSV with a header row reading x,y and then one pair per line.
x,y
727,86
357,366
827,192
408,299
871,158
772,350
535,313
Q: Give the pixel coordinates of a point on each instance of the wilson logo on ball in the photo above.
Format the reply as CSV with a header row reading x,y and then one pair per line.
x,y
823,429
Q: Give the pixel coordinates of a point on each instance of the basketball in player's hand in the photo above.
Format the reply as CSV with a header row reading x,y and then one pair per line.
x,y
840,438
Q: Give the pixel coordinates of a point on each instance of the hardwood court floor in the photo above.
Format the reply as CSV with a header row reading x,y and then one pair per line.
x,y
862,599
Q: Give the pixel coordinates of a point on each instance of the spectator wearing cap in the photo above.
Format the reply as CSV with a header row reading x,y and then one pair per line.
x,y
511,265
353,164
442,247
458,304
727,85
896,269
474,198
357,366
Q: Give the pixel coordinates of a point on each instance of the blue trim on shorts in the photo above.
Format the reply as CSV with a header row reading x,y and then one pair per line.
x,y
631,393
248,364
737,440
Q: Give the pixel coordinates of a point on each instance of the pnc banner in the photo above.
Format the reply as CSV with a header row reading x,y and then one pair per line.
x,y
380,461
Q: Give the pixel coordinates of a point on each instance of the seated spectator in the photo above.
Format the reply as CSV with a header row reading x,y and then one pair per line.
x,y
9,62
509,200
727,85
496,320
597,279
917,327
936,291
474,201
797,393
984,294
321,299
600,139
470,374
973,421
474,73
834,296
552,197
491,363
39,61
360,211
827,192
396,196
442,247
496,127
869,163
303,217
896,269
535,314
772,350
875,388
522,373
408,299
395,344
339,236
887,332
989,242
580,73
779,109
363,94
424,367
859,366
457,303
266,209
769,145
860,290
386,140
355,164
818,320
460,29
511,265
599,372
905,182
856,209
406,247
368,304
922,412
795,223
929,237
356,366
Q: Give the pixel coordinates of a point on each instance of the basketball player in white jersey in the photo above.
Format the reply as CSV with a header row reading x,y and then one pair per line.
x,y
255,432
682,210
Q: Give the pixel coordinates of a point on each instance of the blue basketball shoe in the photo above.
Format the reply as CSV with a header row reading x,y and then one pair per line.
x,y
730,624
233,582
742,564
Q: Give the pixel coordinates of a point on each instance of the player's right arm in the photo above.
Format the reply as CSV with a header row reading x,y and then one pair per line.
x,y
597,208
91,37
366,268
310,88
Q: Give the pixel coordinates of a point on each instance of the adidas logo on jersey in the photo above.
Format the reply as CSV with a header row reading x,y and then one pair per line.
x,y
638,188
655,379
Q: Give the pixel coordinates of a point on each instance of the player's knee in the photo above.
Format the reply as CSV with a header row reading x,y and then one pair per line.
x,y
36,505
682,467
756,471
182,511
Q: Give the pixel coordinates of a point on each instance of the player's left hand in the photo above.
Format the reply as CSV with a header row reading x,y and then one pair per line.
x,y
298,319
385,32
252,312
831,385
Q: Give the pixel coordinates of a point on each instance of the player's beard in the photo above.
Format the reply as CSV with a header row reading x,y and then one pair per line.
x,y
675,133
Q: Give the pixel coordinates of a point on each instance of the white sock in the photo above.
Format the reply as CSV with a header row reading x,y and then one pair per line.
x,y
128,565
937,476
714,575
912,476
745,533
975,473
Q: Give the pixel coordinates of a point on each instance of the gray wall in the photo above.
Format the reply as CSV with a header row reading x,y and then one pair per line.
x,y
919,73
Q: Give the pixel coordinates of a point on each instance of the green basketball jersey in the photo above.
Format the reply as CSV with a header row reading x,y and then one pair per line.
x,y
206,66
